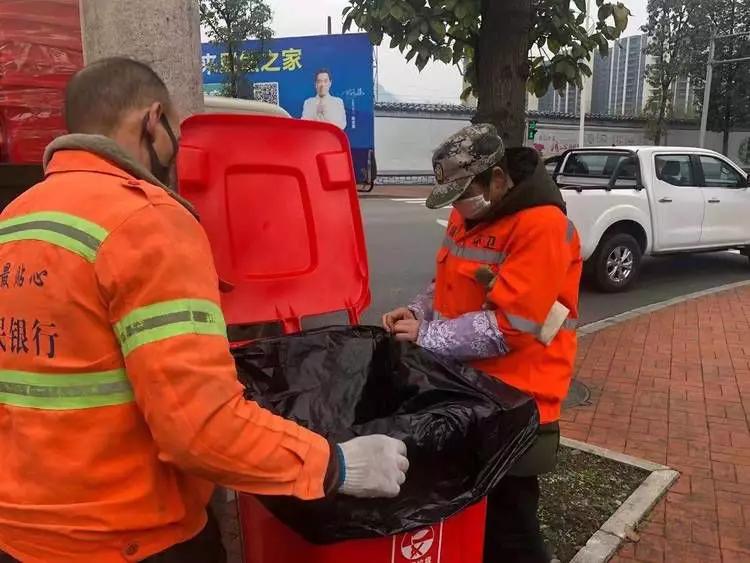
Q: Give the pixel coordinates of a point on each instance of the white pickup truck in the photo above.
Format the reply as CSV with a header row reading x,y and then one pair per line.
x,y
628,202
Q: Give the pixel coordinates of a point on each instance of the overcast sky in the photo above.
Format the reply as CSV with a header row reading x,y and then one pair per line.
x,y
436,83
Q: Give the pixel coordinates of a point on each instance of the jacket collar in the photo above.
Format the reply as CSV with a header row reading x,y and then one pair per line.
x,y
97,153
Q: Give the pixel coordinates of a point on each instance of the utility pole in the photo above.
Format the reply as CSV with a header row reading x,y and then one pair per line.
x,y
584,92
712,62
707,91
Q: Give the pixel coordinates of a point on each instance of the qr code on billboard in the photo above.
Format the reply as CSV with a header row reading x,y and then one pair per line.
x,y
266,92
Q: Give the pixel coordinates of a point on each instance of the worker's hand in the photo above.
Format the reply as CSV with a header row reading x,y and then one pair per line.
x,y
400,314
407,331
374,466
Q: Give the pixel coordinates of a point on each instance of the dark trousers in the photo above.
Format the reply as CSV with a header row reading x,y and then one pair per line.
x,y
206,547
513,534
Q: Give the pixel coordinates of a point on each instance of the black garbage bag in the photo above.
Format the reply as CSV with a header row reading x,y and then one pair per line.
x,y
463,429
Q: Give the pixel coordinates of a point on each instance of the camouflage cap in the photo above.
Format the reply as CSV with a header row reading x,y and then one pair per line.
x,y
461,157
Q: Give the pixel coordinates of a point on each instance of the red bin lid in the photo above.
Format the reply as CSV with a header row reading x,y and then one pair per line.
x,y
278,199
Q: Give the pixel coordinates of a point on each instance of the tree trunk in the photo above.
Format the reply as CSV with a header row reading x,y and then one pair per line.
x,y
233,90
662,115
503,67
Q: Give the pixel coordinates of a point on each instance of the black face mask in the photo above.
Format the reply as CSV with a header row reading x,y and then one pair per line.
x,y
159,170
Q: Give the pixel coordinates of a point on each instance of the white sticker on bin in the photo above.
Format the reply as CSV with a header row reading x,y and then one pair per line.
x,y
420,546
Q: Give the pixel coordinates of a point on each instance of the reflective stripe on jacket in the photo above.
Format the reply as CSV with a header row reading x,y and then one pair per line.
x,y
527,268
119,401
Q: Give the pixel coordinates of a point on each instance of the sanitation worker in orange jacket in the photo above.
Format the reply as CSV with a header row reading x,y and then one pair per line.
x,y
119,400
505,299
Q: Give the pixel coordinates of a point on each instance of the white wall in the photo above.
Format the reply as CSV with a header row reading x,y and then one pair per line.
x,y
404,144
737,139
554,138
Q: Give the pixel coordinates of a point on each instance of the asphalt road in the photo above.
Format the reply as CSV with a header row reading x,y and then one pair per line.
x,y
403,236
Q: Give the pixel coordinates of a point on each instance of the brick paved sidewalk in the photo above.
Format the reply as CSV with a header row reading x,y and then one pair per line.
x,y
674,387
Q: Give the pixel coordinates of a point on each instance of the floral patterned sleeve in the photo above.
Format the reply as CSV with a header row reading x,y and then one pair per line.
x,y
421,306
473,336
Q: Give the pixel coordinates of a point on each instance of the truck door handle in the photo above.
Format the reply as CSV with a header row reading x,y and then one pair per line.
x,y
714,200
665,200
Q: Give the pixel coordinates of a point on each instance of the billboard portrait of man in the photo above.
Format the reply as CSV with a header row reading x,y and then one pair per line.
x,y
323,106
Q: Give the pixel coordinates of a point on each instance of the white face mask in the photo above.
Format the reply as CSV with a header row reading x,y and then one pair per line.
x,y
472,207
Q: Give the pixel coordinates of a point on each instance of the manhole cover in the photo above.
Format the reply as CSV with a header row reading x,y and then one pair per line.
x,y
578,394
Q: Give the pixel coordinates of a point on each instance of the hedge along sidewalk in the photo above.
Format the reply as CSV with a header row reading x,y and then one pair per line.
x,y
672,386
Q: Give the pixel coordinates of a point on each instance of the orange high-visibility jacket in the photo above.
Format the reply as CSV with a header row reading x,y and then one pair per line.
x,y
119,400
534,257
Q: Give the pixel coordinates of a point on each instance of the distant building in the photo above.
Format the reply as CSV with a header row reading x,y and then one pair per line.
x,y
620,77
620,85
684,102
567,101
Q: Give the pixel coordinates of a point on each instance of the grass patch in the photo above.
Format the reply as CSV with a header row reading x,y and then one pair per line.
x,y
582,493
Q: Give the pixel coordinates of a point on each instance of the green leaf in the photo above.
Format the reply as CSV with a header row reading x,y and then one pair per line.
x,y
621,14
413,34
411,54
558,81
376,36
605,11
554,45
348,20
578,52
445,54
565,67
581,5
422,61
438,29
467,92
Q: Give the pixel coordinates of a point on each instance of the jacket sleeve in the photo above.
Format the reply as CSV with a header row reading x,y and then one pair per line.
x,y
472,336
158,280
422,305
530,280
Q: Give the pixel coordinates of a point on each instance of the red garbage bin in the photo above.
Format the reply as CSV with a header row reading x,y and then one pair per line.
x,y
459,539
278,200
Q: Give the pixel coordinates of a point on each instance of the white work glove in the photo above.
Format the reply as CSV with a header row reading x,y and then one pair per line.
x,y
373,466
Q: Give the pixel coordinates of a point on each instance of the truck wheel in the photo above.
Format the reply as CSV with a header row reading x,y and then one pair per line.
x,y
617,263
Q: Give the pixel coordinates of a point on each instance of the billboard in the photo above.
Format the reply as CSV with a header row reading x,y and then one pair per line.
x,y
323,77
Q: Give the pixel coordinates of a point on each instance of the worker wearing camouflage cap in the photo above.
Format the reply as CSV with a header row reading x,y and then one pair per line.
x,y
505,301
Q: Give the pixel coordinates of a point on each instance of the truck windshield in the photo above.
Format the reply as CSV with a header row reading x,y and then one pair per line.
x,y
600,165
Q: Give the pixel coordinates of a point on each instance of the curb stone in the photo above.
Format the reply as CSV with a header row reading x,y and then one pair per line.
x,y
606,541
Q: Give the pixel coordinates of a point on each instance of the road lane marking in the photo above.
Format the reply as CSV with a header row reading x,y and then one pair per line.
x,y
410,201
442,222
